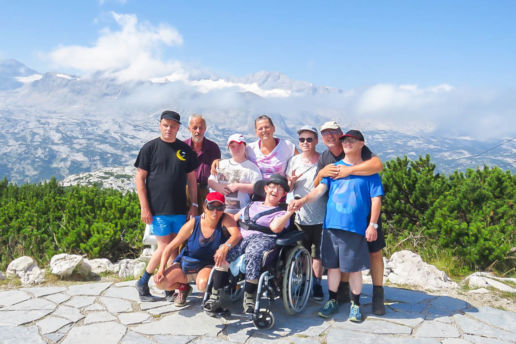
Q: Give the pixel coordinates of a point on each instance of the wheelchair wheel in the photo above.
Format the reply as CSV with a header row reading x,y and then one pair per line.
x,y
233,293
264,320
297,280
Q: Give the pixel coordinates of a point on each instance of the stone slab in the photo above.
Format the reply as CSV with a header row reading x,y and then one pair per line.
x,y
136,338
496,317
472,326
375,326
32,304
43,291
115,305
96,317
15,318
436,329
17,335
94,308
80,301
128,293
133,318
149,305
70,313
58,298
337,335
161,339
105,333
12,297
52,324
90,289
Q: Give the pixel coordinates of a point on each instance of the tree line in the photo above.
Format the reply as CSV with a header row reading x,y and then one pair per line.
x,y
460,222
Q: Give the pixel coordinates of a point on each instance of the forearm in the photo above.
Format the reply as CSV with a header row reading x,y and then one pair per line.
x,y
247,188
278,224
368,167
315,193
376,204
219,187
192,187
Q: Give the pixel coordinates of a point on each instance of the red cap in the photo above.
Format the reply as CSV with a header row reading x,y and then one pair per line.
x,y
215,197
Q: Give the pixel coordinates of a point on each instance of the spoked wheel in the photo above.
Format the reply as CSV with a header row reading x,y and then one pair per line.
x,y
297,280
264,320
233,293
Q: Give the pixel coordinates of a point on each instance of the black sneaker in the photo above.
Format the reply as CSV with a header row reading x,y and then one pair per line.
x,y
378,299
170,295
318,294
343,293
144,293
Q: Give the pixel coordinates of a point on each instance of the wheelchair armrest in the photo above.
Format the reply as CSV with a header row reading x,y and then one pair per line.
x,y
290,238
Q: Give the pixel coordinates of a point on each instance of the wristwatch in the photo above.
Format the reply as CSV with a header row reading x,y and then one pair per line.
x,y
375,225
227,244
193,204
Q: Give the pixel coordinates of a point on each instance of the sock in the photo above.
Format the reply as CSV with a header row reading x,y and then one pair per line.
x,y
333,295
145,278
250,288
317,281
220,279
356,299
377,288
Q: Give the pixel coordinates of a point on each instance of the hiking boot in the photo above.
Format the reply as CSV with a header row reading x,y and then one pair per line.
x,y
170,295
343,293
330,307
354,313
249,301
318,294
144,292
213,304
378,299
182,294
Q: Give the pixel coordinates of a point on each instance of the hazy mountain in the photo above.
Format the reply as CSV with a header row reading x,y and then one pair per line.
x,y
57,125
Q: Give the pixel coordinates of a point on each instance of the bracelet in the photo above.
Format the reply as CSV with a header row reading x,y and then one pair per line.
x,y
193,204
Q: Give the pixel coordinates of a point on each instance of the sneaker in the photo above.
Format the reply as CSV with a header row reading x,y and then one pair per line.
x,y
180,300
354,313
343,293
318,294
330,307
170,295
378,299
144,292
249,301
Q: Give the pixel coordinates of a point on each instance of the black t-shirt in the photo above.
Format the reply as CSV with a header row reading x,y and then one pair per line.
x,y
327,157
167,165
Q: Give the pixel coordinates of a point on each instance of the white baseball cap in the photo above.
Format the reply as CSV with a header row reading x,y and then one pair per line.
x,y
330,125
238,138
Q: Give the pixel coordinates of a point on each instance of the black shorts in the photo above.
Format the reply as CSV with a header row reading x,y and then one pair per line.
x,y
379,243
312,240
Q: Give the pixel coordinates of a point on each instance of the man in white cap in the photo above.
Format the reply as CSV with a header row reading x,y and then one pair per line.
x,y
235,176
371,164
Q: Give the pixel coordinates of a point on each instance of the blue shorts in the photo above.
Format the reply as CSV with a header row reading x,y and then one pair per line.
x,y
167,224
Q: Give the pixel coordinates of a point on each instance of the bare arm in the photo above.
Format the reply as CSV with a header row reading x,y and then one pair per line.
x,y
365,168
214,167
310,197
192,192
219,187
371,232
141,189
235,237
278,224
330,170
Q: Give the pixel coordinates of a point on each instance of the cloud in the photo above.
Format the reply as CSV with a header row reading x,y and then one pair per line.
x,y
128,54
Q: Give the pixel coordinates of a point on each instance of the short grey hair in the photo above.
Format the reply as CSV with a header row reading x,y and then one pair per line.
x,y
196,116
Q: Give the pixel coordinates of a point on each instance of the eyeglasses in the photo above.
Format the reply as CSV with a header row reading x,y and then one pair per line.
x,y
307,139
211,206
348,140
331,132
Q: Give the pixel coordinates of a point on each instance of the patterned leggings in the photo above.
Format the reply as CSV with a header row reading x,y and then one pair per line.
x,y
254,246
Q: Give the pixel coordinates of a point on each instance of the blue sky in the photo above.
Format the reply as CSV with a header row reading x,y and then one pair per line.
x,y
342,44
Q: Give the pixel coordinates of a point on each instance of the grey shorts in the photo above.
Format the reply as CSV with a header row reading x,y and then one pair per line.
x,y
344,250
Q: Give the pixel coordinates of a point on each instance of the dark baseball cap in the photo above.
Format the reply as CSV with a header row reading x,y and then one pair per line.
x,y
167,114
353,133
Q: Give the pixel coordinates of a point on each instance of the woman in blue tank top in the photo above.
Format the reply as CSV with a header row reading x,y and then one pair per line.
x,y
205,245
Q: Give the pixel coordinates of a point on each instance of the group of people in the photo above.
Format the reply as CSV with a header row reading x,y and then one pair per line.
x,y
202,215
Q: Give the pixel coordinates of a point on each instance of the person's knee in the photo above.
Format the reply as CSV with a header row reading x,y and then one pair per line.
x,y
201,284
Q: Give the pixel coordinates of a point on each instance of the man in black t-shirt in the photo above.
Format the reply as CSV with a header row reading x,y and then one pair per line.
x,y
330,133
165,166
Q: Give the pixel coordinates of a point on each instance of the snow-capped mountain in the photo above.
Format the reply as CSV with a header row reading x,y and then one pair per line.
x,y
56,124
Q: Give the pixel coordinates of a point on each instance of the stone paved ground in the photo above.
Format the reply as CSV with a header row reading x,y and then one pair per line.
x,y
107,312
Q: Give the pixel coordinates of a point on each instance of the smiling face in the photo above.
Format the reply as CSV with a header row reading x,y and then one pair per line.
x,y
237,150
214,210
264,129
307,141
169,129
273,194
197,127
330,138
351,146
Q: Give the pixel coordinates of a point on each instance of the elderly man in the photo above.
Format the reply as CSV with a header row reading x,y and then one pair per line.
x,y
346,229
165,166
371,164
236,176
206,151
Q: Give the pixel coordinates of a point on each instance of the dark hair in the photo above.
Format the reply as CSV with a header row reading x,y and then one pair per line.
x,y
261,117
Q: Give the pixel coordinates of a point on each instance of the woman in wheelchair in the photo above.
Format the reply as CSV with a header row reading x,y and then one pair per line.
x,y
259,223
206,243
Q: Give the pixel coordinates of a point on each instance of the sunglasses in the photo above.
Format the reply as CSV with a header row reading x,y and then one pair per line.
x,y
348,140
331,132
307,139
211,206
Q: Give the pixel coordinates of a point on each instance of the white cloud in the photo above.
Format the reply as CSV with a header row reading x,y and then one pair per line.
x,y
128,54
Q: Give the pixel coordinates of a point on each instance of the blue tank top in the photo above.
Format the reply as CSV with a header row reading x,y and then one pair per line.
x,y
199,247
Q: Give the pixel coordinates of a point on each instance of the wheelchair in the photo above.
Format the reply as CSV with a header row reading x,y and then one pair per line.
x,y
286,272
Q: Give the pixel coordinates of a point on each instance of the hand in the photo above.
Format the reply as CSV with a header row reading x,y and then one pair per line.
x,y
193,211
330,170
292,179
233,187
344,171
295,204
214,167
371,234
146,216
220,255
159,277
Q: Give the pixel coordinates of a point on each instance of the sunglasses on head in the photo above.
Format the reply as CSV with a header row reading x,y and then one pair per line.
x,y
307,139
212,206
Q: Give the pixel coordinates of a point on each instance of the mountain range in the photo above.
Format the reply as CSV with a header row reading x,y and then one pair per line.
x,y
57,124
